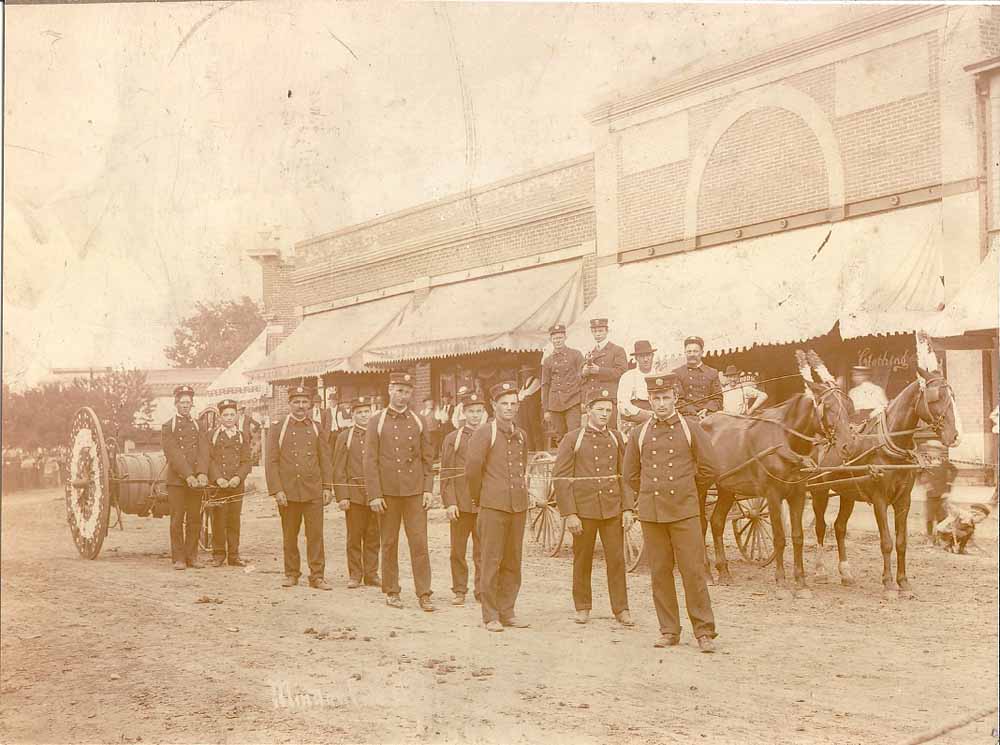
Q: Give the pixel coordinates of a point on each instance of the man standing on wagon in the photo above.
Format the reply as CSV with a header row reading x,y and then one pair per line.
x,y
588,485
561,385
228,468
603,366
186,451
667,460
298,471
399,476
495,466
352,498
462,512
700,390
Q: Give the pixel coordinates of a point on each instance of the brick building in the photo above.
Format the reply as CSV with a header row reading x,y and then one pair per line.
x,y
840,189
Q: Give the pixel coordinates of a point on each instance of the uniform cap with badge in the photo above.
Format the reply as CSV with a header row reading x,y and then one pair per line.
x,y
598,323
695,340
401,378
227,403
470,398
300,391
362,402
558,328
600,394
661,382
502,389
183,390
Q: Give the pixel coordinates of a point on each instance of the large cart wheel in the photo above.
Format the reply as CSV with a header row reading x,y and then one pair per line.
x,y
633,546
88,490
752,527
548,527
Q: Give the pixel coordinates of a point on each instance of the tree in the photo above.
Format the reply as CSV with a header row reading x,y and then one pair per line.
x,y
216,334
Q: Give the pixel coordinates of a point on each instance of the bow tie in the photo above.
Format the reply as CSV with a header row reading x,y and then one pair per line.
x,y
231,432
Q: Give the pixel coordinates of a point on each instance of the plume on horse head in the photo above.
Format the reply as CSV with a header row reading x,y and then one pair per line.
x,y
816,363
927,361
804,370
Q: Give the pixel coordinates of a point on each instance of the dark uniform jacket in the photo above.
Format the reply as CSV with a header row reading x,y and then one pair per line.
x,y
599,454
349,466
612,364
496,473
300,464
399,462
663,479
561,380
698,383
185,448
454,485
228,456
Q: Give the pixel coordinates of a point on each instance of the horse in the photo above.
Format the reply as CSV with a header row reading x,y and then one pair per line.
x,y
764,454
886,438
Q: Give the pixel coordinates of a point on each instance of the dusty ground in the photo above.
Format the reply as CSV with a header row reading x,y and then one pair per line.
x,y
119,650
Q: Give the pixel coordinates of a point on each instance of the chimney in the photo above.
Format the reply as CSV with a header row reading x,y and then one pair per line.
x,y
277,289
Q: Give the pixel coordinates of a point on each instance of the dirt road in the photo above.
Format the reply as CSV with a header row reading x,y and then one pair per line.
x,y
121,650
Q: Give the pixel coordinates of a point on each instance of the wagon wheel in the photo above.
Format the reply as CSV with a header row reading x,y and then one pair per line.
x,y
633,546
548,527
752,527
88,490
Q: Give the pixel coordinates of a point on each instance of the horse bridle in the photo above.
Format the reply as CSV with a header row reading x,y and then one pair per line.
x,y
829,432
926,386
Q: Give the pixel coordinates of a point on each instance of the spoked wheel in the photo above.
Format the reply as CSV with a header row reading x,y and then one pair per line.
x,y
88,492
633,546
752,527
548,528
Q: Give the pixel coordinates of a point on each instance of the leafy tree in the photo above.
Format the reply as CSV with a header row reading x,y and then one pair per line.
x,y
216,334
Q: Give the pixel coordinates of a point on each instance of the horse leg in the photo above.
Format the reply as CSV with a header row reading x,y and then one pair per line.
x,y
719,515
778,529
703,519
901,513
840,530
796,506
820,499
879,506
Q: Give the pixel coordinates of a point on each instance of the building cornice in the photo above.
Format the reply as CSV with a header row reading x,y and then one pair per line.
x,y
867,26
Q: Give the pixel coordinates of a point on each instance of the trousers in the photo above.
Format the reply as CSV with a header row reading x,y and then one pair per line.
x,y
410,512
292,516
226,525
679,543
461,529
561,422
185,522
362,543
613,541
501,538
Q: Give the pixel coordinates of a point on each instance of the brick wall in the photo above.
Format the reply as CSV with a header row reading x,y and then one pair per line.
x,y
989,33
279,298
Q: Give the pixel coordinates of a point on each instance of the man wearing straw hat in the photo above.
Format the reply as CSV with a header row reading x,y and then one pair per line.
x,y
352,498
228,468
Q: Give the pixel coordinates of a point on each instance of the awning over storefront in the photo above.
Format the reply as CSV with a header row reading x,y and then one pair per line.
x,y
331,341
505,311
975,307
233,381
781,288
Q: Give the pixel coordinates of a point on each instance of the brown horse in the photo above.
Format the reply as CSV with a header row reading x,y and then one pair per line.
x,y
764,454
886,439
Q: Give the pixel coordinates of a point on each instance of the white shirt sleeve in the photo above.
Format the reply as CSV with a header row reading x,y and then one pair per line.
x,y
626,392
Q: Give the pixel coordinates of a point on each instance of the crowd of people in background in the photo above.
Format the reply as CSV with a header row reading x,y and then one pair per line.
x,y
25,468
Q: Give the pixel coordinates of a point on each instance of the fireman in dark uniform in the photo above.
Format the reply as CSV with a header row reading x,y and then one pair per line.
x,y
462,512
700,390
495,468
298,468
228,468
399,476
352,499
186,450
667,460
603,366
561,385
587,476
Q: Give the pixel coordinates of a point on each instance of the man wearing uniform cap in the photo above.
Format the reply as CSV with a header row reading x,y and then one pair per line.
x,y
228,468
495,467
603,366
461,511
352,498
561,383
186,451
668,459
298,470
588,485
700,390
399,458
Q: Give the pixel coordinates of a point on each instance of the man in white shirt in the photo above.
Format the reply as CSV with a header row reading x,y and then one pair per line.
x,y
740,396
633,399
866,395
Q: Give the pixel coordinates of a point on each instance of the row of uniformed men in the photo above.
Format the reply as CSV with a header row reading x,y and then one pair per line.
x,y
569,378
382,465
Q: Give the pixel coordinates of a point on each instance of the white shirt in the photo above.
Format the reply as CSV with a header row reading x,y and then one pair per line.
x,y
531,386
869,396
736,400
632,384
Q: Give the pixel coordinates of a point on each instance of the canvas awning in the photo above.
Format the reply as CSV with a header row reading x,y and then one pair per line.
x,y
331,341
233,381
878,274
975,306
505,311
